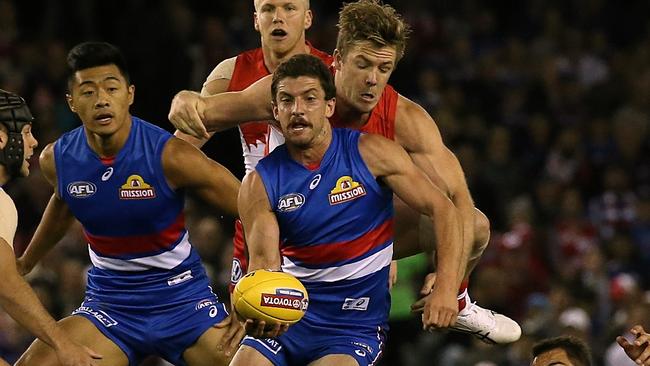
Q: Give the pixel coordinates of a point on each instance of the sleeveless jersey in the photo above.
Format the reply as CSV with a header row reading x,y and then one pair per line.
x,y
257,138
336,228
132,219
249,68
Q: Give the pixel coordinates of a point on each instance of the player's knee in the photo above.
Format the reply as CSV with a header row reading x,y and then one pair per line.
x,y
481,233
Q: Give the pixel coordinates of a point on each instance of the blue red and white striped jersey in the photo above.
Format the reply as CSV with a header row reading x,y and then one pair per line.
x,y
336,230
133,221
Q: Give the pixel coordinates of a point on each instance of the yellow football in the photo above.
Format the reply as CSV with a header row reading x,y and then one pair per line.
x,y
272,296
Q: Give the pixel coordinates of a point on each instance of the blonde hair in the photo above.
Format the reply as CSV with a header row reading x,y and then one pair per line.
x,y
369,20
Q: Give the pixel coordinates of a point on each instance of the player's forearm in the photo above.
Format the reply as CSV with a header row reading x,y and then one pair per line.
x,y
447,224
20,302
465,208
55,223
228,110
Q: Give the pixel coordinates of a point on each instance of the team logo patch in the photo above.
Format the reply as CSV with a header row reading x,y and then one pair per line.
x,y
135,188
285,299
290,202
81,189
346,190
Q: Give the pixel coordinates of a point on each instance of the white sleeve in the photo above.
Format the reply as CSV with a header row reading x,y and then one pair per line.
x,y
224,70
8,218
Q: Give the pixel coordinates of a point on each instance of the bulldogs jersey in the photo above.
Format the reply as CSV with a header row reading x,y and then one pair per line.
x,y
336,228
132,220
257,138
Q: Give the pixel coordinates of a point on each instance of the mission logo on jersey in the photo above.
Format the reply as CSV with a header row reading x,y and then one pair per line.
x,y
346,190
135,188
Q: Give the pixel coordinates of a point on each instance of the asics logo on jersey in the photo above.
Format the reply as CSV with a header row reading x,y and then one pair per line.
x,y
135,188
290,202
346,189
315,181
81,189
107,174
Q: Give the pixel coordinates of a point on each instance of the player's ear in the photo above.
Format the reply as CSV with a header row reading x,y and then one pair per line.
x,y
329,107
131,94
68,98
338,58
308,19
275,111
256,25
3,138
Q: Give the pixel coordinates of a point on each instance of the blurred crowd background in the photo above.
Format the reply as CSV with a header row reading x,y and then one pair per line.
x,y
546,104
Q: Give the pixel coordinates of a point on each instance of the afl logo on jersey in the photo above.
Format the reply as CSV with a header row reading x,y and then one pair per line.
x,y
290,202
135,188
346,189
81,189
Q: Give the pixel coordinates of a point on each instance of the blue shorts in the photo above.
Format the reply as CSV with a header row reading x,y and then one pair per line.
x,y
165,327
304,343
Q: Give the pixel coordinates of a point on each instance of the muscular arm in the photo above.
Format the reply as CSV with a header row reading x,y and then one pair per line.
x,y
56,219
390,163
417,132
21,303
195,115
188,168
260,224
217,82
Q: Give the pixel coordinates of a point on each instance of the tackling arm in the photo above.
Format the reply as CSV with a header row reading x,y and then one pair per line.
x,y
217,82
389,162
417,132
195,115
260,225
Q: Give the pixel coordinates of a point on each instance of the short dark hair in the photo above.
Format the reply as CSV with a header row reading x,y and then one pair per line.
x,y
92,54
575,348
304,65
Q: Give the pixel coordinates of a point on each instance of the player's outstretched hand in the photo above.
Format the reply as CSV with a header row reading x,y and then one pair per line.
x,y
187,114
638,350
233,336
392,275
259,329
440,311
427,287
73,354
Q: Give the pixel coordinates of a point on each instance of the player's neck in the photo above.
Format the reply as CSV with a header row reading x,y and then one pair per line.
x,y
312,155
273,59
107,146
348,115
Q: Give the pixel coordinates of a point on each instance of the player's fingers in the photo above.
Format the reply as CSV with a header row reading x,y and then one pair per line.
x,y
644,357
92,353
418,306
429,281
224,323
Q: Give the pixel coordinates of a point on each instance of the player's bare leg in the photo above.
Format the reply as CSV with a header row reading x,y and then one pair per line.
x,y
335,360
208,350
82,331
247,356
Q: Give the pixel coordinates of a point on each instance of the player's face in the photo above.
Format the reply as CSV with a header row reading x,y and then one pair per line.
x,y
363,74
302,110
282,23
555,357
29,144
101,97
